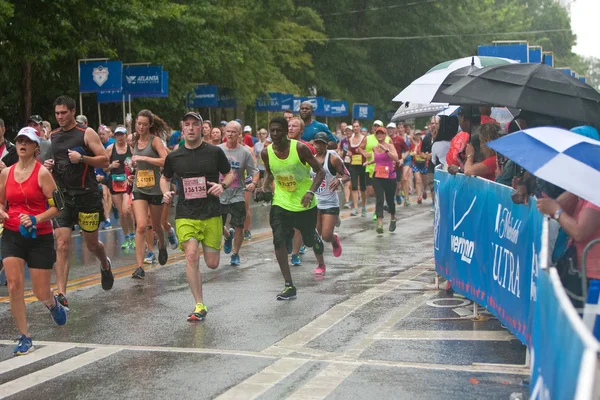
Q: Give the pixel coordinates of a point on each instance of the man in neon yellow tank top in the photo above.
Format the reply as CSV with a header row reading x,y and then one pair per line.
x,y
288,163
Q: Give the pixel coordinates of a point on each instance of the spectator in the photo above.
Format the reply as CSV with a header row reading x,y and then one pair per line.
x,y
448,128
486,168
248,136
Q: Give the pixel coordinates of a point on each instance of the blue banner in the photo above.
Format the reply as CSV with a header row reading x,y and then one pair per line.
x,y
549,59
287,102
535,54
336,108
514,51
362,111
564,353
318,103
269,102
583,79
204,96
164,91
488,247
297,101
109,96
100,76
226,99
142,79
566,71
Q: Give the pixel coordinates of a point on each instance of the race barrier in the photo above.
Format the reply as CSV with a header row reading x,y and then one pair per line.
x,y
489,249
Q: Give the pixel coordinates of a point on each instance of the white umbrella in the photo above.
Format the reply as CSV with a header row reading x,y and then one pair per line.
x,y
424,88
415,110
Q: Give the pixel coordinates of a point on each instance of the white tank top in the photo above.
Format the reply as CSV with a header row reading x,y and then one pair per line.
x,y
325,197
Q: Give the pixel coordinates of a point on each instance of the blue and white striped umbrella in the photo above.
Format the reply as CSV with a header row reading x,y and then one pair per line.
x,y
563,158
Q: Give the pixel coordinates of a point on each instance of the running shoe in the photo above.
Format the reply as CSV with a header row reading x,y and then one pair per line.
x,y
392,225
25,346
380,229
199,313
139,273
419,200
339,222
399,200
235,260
163,256
406,202
132,243
76,227
58,312
247,235
364,212
62,299
173,241
296,259
320,270
229,241
348,205
107,224
150,258
288,293
354,212
374,217
125,244
107,276
302,249
337,246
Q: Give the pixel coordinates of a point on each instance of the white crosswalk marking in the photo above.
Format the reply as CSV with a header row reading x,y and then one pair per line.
x,y
37,355
46,374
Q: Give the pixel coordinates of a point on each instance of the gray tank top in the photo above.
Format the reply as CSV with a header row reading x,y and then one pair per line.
x,y
147,176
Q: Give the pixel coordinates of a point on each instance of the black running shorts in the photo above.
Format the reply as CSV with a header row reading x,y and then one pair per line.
x,y
237,212
38,253
85,210
283,223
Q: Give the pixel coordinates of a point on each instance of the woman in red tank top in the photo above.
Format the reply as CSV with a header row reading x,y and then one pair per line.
x,y
26,191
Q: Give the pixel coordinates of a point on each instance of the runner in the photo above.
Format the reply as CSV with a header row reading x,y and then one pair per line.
x,y
419,167
197,165
258,148
406,166
403,151
356,158
427,179
232,199
312,126
149,155
206,129
384,179
27,236
76,151
288,163
118,154
288,115
101,176
343,152
372,142
215,137
328,200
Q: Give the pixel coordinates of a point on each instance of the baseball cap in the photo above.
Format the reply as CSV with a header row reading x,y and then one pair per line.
x,y
391,125
29,133
381,129
192,114
247,128
36,118
121,129
378,122
321,137
349,127
239,121
81,119
223,123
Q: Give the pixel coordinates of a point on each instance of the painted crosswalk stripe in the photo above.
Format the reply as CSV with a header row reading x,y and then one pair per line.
x,y
44,375
37,355
325,382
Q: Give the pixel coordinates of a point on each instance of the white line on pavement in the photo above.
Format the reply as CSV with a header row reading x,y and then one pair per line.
x,y
37,355
46,374
324,383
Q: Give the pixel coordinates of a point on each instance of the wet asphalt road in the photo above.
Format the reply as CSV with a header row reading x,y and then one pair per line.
x,y
364,331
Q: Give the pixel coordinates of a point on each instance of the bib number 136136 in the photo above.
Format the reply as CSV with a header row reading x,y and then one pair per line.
x,y
194,188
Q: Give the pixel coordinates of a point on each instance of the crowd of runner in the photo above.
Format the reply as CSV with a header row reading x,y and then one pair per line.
x,y
53,182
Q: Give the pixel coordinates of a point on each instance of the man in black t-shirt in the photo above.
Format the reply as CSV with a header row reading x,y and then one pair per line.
x,y
197,165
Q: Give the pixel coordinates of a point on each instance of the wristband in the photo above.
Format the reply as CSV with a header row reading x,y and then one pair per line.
x,y
311,192
51,202
81,158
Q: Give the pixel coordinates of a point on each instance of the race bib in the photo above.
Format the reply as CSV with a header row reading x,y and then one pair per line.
x,y
194,188
322,188
382,171
89,222
119,183
145,178
287,182
357,159
347,160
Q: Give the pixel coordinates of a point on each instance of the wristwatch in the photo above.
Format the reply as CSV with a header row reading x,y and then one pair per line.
x,y
556,215
224,185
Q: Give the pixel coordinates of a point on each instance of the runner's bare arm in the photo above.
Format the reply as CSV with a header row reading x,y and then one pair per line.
x,y
165,188
111,165
48,186
268,181
340,170
92,141
3,177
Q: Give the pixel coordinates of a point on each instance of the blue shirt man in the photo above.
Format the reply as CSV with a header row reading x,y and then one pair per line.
x,y
312,127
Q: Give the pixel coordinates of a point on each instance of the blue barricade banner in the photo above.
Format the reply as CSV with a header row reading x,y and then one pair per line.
x,y
97,76
362,111
564,360
535,54
549,58
269,102
226,99
109,96
286,102
141,80
336,108
297,101
318,103
205,96
488,247
164,91
513,51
